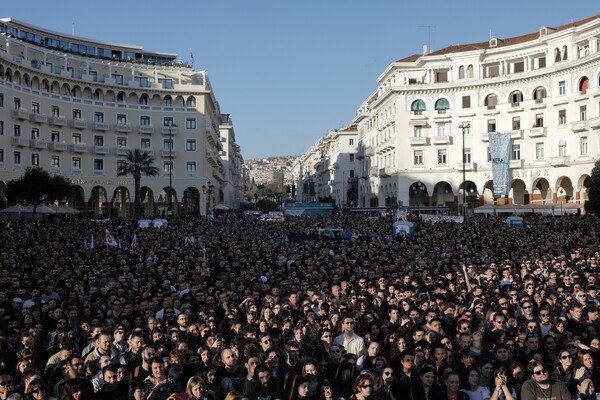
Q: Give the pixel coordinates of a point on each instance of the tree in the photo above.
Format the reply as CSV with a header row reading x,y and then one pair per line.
x,y
592,205
137,163
37,186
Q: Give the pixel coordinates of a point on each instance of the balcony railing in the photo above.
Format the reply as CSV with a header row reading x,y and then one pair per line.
x,y
517,163
58,121
419,140
38,118
100,126
19,141
79,148
594,123
38,144
562,161
21,113
101,149
516,134
146,129
579,126
169,130
78,123
467,166
123,128
443,139
58,146
537,131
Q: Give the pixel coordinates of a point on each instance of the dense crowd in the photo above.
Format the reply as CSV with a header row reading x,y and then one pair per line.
x,y
233,308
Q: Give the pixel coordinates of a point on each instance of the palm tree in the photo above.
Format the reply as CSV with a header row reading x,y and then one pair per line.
x,y
138,162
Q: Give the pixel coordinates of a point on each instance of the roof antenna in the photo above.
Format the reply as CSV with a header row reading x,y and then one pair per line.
x,y
429,27
72,28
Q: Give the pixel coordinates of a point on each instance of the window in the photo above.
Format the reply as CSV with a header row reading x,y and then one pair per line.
x,y
98,164
351,142
1,99
491,125
562,148
516,98
539,120
145,144
351,157
122,142
76,114
539,151
190,145
167,167
516,123
144,120
190,123
442,157
55,161
35,108
168,121
515,152
144,99
442,105
1,155
98,140
562,117
166,83
190,168
35,133
583,145
442,129
417,107
1,128
76,138
582,113
491,101
142,81
539,94
470,71
118,78
99,117
17,103
167,144
76,162
466,102
94,75
55,110
17,158
461,72
55,136
467,156
35,160
17,130
121,119
168,101
418,157
418,131
562,87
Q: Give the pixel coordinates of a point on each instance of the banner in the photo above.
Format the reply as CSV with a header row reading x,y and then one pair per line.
x,y
500,153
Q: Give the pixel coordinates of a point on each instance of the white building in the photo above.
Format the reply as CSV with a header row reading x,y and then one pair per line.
x,y
542,87
75,106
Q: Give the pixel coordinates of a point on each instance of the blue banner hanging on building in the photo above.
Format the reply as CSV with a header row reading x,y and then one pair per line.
x,y
500,153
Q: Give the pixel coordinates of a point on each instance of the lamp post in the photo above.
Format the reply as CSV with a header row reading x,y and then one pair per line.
x,y
464,126
170,210
208,192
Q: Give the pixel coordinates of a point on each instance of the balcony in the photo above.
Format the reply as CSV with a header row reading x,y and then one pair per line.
x,y
58,121
212,158
169,130
166,153
58,146
19,141
149,151
76,172
419,141
123,128
38,144
212,136
485,137
374,171
517,163
101,149
121,151
594,123
560,161
21,113
78,123
537,131
100,126
516,134
444,139
38,118
98,172
79,148
369,152
579,126
467,166
384,172
217,174
146,129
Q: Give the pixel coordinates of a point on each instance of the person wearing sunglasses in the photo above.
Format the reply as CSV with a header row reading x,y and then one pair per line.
x,y
364,387
7,384
539,385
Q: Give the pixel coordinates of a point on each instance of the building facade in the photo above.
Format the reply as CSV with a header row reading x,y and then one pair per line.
x,y
76,106
423,133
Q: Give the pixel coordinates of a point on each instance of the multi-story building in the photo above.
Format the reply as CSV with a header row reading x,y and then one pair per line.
x,y
232,182
424,130
75,106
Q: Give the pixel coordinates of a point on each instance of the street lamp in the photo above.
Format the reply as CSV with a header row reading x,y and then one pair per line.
x,y
464,126
171,126
208,192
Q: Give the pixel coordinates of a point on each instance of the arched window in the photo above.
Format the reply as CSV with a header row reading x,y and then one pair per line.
x,y
557,57
470,71
539,94
564,55
583,85
418,106
491,101
168,101
461,72
516,98
144,99
442,105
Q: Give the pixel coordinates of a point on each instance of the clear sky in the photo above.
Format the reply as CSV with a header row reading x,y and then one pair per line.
x,y
290,71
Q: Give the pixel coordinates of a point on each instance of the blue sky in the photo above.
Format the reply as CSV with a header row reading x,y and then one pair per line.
x,y
290,71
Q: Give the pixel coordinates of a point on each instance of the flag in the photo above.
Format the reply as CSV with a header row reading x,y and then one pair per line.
x,y
191,57
92,242
110,239
134,242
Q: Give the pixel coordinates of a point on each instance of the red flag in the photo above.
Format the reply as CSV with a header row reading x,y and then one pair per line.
x,y
134,242
110,239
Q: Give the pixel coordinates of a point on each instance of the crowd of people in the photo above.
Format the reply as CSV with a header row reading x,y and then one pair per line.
x,y
233,308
